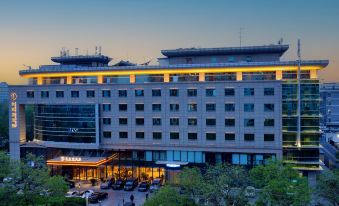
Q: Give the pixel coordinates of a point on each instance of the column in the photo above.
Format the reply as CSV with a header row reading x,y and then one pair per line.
x,y
166,77
100,79
201,76
39,80
239,76
69,79
278,75
313,74
132,78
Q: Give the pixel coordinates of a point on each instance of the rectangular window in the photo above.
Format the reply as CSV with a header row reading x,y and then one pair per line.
x,y
211,92
226,76
191,92
75,94
147,78
229,122
122,93
156,92
44,94
139,92
123,135
30,94
156,107
174,135
269,122
230,136
211,122
174,92
140,135
249,122
139,107
268,91
90,93
106,121
116,79
174,107
269,107
106,93
192,121
123,121
192,136
229,107
210,107
192,107
106,107
174,121
249,137
189,77
229,92
107,134
258,76
84,80
248,91
157,135
122,107
156,121
139,121
211,136
249,107
268,137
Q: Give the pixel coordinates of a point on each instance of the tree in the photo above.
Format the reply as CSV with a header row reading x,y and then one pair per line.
x,y
328,186
168,196
191,180
281,185
4,126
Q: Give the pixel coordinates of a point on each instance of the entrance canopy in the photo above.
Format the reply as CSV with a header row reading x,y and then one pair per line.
x,y
78,161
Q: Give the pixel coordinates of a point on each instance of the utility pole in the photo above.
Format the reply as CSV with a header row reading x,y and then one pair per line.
x,y
299,97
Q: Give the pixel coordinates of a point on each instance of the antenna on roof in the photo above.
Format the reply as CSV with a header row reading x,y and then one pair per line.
x,y
99,50
280,42
96,50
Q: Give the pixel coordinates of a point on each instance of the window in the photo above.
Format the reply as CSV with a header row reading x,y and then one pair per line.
x,y
122,93
59,94
174,107
44,94
211,122
106,107
211,93
248,107
107,134
156,121
192,136
123,135
122,107
174,121
75,94
249,137
90,93
123,121
188,77
210,107
174,92
268,137
157,135
30,94
230,136
229,92
269,91
248,91
229,107
192,121
191,92
106,93
192,107
174,135
106,121
139,92
156,92
156,107
139,107
269,122
221,76
140,135
269,107
229,122
139,121
211,136
249,122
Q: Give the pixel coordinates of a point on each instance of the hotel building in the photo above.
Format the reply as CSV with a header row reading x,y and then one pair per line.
x,y
235,105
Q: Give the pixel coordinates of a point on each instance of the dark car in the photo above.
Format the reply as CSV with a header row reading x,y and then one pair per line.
x,y
131,183
119,184
156,184
144,186
97,196
105,184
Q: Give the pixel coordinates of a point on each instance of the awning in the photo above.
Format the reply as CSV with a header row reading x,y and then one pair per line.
x,y
79,161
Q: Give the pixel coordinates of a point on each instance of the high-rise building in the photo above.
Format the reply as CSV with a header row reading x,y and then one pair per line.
x,y
3,92
236,105
329,108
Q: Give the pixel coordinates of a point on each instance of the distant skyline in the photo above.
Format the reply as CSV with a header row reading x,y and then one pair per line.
x,y
33,31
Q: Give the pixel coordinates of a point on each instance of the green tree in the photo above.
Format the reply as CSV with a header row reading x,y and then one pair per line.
x,y
328,186
168,196
4,126
192,180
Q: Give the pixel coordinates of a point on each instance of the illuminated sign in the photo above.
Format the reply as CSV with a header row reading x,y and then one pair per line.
x,y
13,97
70,159
172,165
73,130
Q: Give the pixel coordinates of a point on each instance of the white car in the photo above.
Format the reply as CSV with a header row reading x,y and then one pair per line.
x,y
72,194
86,193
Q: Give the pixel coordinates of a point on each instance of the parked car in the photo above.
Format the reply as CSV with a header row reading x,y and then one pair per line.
x,y
97,196
156,184
86,193
144,186
119,184
105,184
72,194
131,183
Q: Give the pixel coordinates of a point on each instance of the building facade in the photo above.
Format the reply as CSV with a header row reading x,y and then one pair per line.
x,y
329,109
3,92
236,105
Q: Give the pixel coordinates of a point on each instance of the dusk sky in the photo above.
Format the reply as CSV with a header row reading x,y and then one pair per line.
x,y
33,31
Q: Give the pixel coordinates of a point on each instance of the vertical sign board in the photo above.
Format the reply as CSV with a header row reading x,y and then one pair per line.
x,y
14,117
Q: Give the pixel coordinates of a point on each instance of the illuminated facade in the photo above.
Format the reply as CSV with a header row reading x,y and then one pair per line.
x,y
235,105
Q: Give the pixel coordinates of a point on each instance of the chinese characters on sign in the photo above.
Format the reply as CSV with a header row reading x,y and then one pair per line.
x,y
71,159
13,109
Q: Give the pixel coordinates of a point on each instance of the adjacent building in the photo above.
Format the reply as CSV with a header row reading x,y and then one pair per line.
x,y
3,92
236,105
